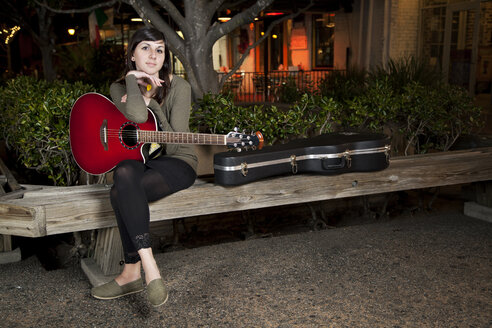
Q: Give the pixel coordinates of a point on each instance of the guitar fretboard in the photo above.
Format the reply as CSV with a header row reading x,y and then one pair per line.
x,y
181,138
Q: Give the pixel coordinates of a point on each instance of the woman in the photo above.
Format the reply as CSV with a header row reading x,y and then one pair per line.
x,y
148,83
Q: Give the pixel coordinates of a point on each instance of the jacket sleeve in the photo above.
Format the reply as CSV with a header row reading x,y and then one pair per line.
x,y
134,108
178,107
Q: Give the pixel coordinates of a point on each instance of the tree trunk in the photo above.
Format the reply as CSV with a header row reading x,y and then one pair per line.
x,y
47,60
206,76
46,42
200,32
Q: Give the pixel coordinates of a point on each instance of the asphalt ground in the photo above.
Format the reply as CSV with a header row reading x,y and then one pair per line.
x,y
423,270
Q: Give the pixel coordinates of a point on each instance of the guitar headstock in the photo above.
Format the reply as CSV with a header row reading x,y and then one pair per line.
x,y
240,141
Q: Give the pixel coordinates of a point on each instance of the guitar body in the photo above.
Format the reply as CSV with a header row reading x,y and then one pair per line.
x,y
101,137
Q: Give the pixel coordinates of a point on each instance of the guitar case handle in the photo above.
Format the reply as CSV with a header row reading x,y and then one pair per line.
x,y
345,161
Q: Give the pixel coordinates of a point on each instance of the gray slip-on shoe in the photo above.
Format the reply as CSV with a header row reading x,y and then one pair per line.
x,y
112,290
156,292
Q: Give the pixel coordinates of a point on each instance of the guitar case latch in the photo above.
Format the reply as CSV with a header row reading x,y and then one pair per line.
x,y
244,168
293,163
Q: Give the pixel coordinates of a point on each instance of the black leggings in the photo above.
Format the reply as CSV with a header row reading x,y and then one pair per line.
x,y
135,185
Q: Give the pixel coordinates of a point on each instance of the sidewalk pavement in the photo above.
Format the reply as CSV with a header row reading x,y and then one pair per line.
x,y
428,270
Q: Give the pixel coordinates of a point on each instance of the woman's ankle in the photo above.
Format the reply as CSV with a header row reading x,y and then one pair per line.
x,y
152,275
130,273
149,265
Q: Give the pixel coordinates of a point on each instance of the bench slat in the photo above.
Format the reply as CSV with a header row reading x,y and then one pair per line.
x,y
52,211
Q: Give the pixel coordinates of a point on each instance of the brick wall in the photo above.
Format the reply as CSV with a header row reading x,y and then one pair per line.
x,y
486,25
404,28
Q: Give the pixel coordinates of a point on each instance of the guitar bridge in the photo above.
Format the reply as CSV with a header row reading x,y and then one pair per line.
x,y
103,134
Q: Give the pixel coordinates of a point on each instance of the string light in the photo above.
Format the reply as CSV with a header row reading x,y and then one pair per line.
x,y
9,33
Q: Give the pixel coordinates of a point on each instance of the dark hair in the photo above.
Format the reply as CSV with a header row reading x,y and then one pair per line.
x,y
150,34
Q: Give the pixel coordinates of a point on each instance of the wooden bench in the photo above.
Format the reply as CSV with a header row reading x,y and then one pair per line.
x,y
56,210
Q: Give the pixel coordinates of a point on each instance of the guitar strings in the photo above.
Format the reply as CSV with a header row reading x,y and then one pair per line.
x,y
164,136
116,132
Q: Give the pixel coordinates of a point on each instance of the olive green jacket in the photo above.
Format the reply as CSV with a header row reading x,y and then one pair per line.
x,y
173,115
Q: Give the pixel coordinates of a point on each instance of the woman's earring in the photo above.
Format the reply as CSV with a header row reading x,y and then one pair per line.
x,y
133,58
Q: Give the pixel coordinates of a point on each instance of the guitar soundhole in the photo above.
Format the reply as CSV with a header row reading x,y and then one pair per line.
x,y
128,135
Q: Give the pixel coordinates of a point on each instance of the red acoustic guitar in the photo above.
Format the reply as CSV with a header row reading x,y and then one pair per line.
x,y
101,137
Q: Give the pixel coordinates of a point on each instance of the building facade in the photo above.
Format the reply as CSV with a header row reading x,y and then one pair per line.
x,y
452,35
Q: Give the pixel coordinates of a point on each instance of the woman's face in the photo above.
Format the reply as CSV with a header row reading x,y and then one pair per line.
x,y
149,56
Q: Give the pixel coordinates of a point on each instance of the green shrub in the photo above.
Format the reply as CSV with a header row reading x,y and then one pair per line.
x,y
428,117
406,70
288,91
310,115
293,88
421,118
407,99
434,118
343,85
372,109
35,122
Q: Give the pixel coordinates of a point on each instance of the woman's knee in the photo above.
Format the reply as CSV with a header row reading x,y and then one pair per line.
x,y
126,170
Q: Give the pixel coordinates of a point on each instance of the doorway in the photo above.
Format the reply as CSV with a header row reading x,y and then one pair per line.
x,y
450,40
460,51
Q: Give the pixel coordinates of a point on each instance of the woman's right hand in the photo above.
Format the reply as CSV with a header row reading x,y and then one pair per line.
x,y
144,78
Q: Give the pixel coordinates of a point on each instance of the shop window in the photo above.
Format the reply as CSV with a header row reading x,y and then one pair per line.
x,y
323,40
433,21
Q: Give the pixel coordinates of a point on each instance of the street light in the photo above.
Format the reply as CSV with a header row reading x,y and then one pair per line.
x,y
71,31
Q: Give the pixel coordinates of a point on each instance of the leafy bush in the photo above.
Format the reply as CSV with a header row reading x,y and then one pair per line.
x,y
434,118
288,91
343,85
311,115
35,122
372,109
407,99
407,70
293,88
427,117
419,117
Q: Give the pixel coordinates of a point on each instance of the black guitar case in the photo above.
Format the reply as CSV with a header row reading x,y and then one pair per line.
x,y
332,153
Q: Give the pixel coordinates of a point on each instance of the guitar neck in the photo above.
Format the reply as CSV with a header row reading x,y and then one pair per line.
x,y
166,137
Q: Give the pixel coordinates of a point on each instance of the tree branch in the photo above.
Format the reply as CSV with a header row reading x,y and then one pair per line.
x,y
233,4
218,30
214,6
175,15
147,13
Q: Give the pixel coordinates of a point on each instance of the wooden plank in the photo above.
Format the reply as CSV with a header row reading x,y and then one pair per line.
x,y
51,192
27,221
483,193
11,181
109,251
89,207
403,174
5,243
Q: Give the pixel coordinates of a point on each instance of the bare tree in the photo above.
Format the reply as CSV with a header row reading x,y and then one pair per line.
x,y
195,19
